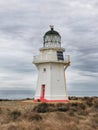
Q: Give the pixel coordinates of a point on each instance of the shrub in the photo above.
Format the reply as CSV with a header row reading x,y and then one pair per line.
x,y
81,106
83,113
62,107
73,109
41,108
15,114
71,113
94,121
96,103
73,98
36,117
89,101
96,118
0,111
74,104
90,104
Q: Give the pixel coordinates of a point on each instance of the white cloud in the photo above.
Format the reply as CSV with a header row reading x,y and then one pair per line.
x,y
22,26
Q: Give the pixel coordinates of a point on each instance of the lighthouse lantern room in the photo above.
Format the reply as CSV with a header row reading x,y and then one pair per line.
x,y
51,65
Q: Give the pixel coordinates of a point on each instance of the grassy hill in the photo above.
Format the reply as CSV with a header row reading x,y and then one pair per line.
x,y
78,114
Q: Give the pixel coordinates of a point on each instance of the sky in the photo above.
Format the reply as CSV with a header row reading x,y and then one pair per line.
x,y
23,24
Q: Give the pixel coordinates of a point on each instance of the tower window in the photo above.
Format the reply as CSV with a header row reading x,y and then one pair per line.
x,y
60,55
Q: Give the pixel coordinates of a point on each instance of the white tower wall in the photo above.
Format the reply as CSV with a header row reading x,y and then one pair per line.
x,y
43,78
58,82
53,76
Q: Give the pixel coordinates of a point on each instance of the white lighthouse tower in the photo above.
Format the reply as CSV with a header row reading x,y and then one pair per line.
x,y
51,65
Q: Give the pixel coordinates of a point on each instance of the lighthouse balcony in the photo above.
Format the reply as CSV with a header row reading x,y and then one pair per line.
x,y
51,58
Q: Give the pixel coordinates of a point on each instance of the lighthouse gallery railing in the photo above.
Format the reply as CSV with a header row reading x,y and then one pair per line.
x,y
50,58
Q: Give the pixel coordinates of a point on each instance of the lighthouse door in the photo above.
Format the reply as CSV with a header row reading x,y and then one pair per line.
x,y
42,92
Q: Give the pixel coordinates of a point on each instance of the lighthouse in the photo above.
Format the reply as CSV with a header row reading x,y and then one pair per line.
x,y
51,64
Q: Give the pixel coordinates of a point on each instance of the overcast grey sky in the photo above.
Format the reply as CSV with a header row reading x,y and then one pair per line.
x,y
22,26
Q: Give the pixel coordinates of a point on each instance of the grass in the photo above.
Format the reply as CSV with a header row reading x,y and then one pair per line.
x,y
78,114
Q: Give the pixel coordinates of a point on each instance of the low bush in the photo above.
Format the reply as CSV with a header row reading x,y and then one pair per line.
x,y
96,103
73,98
0,111
36,117
62,107
71,113
41,108
94,121
15,115
74,104
44,107
81,106
74,109
83,113
90,104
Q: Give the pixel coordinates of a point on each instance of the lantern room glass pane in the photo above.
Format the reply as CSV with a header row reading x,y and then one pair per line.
x,y
52,41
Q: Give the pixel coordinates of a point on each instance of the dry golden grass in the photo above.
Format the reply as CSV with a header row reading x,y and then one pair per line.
x,y
78,114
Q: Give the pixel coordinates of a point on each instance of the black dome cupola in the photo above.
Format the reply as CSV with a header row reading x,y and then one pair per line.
x,y
52,38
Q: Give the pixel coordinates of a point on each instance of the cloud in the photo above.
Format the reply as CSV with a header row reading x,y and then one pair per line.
x,y
22,26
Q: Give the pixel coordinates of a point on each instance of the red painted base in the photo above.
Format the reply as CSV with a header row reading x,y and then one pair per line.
x,y
45,100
